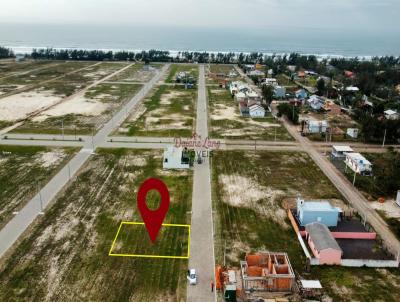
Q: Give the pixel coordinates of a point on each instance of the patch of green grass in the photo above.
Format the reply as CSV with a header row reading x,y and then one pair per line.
x,y
21,172
73,238
160,118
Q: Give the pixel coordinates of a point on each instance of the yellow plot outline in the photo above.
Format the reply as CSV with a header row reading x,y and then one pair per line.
x,y
150,256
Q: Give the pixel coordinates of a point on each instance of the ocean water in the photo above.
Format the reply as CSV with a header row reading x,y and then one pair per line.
x,y
22,38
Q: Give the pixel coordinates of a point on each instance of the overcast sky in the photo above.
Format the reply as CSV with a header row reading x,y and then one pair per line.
x,y
359,15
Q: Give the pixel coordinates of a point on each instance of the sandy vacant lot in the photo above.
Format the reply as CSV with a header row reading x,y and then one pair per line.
x,y
77,105
21,105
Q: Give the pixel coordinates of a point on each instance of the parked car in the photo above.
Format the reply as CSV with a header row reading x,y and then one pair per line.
x,y
192,277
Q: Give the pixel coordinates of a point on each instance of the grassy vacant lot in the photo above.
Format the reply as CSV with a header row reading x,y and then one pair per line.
x,y
175,68
71,83
102,100
169,111
9,68
23,170
226,121
65,256
250,217
44,74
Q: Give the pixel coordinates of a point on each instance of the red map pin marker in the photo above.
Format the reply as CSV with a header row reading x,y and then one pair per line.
x,y
153,219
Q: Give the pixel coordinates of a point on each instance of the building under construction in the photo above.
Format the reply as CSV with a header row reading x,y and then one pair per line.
x,y
267,271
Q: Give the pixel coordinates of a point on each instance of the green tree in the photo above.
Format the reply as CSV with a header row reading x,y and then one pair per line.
x,y
267,93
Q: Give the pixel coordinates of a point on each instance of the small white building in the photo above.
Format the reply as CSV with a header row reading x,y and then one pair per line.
x,y
256,111
358,163
352,89
340,151
240,97
256,73
175,158
391,115
352,132
317,126
269,82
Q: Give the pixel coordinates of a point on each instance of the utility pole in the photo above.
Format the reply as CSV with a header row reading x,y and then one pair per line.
x,y
354,179
69,172
75,131
384,139
40,198
62,128
275,135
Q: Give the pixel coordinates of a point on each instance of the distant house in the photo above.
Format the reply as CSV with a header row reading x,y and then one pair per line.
x,y
279,92
301,94
352,132
322,244
317,211
391,115
240,97
291,68
256,111
358,163
349,74
256,73
176,158
339,152
317,126
269,81
315,102
352,89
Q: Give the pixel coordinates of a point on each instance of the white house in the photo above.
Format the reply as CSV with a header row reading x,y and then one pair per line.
x,y
279,91
317,126
269,81
392,115
358,163
352,89
352,132
257,73
340,151
175,158
240,97
256,111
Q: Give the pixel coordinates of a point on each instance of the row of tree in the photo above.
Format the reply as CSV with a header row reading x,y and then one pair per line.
x,y
6,53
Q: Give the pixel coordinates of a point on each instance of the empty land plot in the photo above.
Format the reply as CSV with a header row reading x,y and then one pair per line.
x,y
44,74
176,68
248,192
10,68
169,111
81,114
23,170
25,104
65,256
226,121
137,73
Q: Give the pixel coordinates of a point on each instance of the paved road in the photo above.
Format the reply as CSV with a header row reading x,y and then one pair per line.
x,y
20,222
202,241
